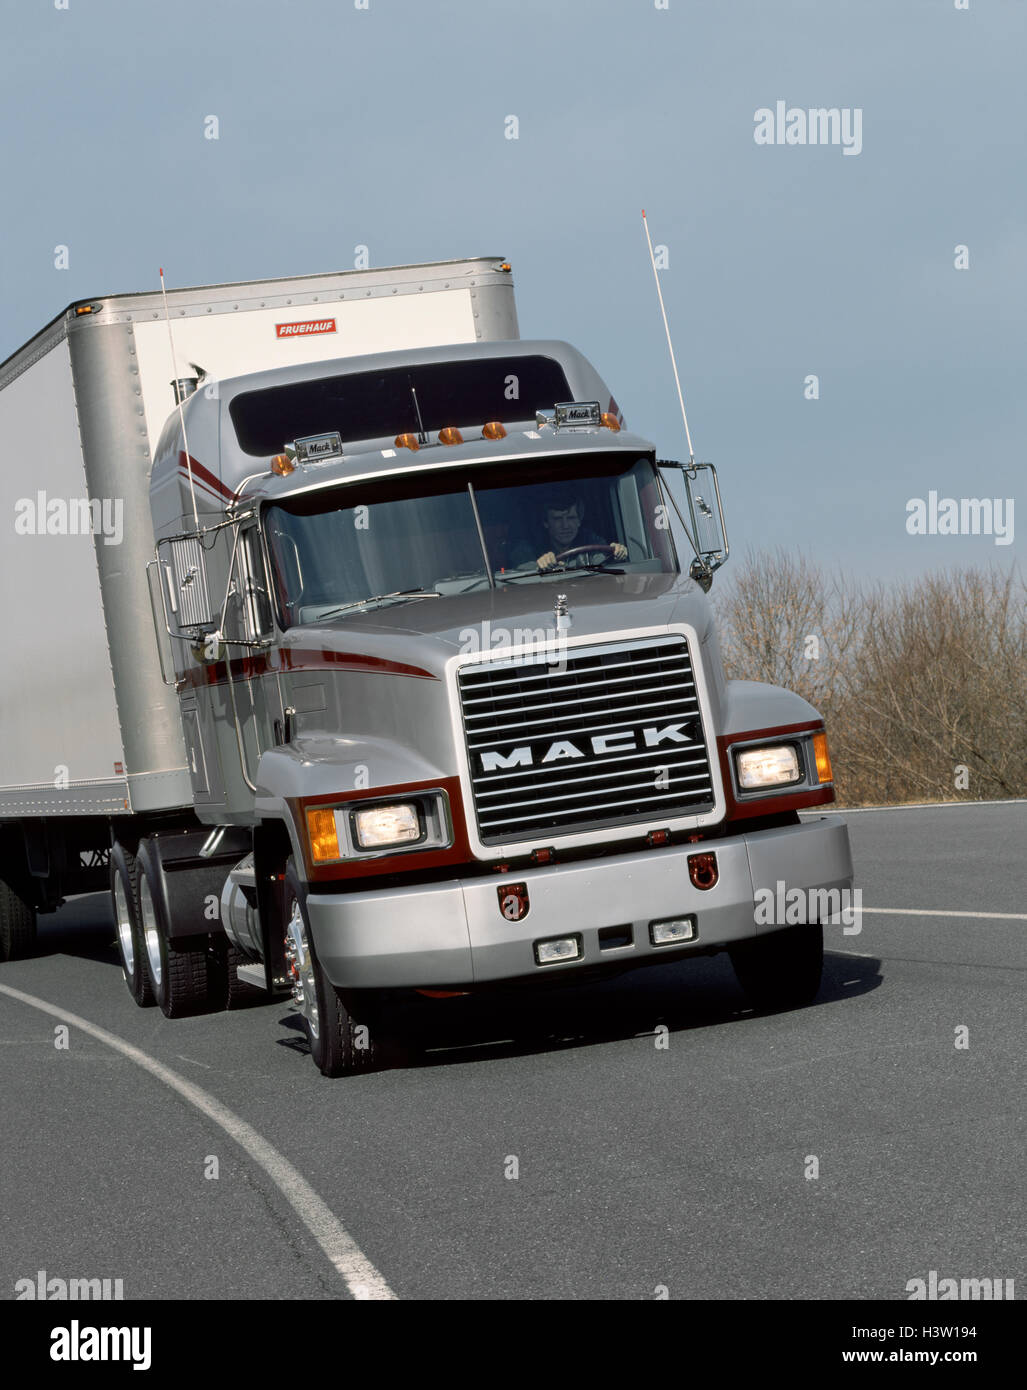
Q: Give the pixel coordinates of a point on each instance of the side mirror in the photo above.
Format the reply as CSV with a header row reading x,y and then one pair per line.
x,y
707,515
184,581
708,531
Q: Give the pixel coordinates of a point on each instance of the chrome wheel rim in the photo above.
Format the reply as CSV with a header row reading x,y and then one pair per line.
x,y
124,924
151,935
300,965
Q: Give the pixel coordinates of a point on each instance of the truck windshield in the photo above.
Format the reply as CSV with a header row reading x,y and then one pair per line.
x,y
404,539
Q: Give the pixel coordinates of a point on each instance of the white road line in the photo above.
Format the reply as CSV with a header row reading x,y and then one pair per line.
x,y
909,806
360,1276
935,912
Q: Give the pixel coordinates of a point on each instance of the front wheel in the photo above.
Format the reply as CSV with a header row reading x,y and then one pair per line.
x,y
339,1044
783,970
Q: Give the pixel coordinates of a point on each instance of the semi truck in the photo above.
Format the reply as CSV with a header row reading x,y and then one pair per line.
x,y
359,650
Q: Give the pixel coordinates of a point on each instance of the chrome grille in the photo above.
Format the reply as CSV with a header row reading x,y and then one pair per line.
x,y
612,734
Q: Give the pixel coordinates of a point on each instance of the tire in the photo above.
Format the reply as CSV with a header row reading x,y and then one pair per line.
x,y
125,905
183,973
17,924
339,1043
781,971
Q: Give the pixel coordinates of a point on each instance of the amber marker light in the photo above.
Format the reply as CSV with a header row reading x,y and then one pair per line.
x,y
408,441
282,465
609,422
323,835
823,757
493,430
450,435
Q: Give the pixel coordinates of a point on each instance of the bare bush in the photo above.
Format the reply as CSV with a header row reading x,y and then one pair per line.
x,y
923,685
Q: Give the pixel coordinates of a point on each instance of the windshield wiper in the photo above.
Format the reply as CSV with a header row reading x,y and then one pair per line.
x,y
378,598
556,569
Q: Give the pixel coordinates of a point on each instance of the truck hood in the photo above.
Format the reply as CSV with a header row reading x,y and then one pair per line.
x,y
423,634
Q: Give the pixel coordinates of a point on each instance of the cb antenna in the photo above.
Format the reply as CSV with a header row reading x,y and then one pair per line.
x,y
421,435
670,345
178,397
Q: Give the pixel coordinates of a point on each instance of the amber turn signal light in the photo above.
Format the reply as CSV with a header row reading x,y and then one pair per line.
x,y
407,441
281,465
450,435
493,430
323,835
823,758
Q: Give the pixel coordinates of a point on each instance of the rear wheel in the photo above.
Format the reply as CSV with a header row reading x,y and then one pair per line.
x,y
17,924
125,901
781,971
183,972
340,1044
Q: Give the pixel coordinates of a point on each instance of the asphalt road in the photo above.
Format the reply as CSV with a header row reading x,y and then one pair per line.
x,y
638,1166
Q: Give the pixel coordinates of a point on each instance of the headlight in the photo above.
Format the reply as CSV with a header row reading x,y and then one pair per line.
x,y
376,827
774,766
368,829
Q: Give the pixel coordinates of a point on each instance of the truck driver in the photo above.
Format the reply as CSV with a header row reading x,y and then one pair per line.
x,y
562,529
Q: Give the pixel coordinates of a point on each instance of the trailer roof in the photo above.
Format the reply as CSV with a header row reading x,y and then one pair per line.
x,y
125,306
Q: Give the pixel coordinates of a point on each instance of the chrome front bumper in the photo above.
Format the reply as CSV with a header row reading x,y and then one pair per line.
x,y
433,935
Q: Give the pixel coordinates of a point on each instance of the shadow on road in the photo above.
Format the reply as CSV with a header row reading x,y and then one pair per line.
x,y
83,927
699,993
695,994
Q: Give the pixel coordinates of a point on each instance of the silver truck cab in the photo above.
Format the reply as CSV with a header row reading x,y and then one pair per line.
x,y
462,752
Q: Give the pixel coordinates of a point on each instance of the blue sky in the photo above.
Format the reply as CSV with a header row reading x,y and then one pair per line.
x,y
385,127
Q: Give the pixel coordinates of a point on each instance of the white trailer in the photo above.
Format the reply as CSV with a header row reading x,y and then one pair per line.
x,y
89,728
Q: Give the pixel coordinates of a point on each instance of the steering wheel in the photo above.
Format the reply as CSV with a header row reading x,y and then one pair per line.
x,y
583,550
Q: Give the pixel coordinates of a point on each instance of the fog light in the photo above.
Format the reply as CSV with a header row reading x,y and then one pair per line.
x,y
560,948
673,929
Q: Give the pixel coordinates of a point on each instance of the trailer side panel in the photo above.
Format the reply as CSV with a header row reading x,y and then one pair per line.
x,y
61,739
